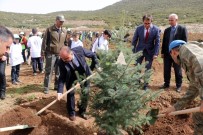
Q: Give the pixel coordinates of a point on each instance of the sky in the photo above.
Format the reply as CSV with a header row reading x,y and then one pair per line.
x,y
48,6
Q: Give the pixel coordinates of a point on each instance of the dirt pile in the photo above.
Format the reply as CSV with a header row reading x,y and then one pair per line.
x,y
49,123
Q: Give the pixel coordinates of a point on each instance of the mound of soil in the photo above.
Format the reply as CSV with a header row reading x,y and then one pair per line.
x,y
49,123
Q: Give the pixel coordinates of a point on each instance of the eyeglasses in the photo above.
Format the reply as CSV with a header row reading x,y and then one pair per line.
x,y
147,23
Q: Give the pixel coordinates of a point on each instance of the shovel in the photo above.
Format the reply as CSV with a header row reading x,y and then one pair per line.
x,y
154,113
47,106
53,102
15,128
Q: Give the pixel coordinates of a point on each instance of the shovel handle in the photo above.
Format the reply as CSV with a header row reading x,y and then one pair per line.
x,y
53,102
192,110
14,128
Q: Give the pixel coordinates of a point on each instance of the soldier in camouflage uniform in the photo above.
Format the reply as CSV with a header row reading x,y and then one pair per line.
x,y
190,57
53,40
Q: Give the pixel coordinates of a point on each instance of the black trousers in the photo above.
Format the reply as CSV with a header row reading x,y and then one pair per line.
x,y
168,63
2,76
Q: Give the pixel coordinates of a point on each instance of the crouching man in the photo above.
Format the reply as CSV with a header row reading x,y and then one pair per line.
x,y
72,64
189,56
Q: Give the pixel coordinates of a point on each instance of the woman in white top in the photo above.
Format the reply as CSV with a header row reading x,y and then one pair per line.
x,y
102,42
16,59
76,42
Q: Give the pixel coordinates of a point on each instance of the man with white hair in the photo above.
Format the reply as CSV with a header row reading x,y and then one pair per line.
x,y
174,32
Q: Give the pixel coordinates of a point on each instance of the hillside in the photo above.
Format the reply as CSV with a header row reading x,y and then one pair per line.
x,y
189,11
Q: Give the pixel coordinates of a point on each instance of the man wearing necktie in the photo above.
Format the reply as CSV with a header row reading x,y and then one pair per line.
x,y
174,32
146,39
72,64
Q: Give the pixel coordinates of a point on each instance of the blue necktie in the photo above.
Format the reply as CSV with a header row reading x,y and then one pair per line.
x,y
172,34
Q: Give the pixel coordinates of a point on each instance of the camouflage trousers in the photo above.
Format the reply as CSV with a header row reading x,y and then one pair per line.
x,y
198,123
51,65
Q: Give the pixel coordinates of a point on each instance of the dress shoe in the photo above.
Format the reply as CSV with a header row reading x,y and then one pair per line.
x,y
72,118
84,116
178,89
164,87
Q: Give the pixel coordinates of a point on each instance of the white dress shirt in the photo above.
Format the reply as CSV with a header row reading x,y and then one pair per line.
x,y
100,44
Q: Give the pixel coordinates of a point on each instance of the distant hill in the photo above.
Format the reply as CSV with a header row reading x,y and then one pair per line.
x,y
128,12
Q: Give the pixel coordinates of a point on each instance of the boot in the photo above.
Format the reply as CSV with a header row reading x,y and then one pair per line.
x,y
3,95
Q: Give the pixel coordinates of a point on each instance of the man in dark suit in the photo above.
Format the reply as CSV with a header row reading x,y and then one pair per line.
x,y
147,39
72,64
174,32
6,39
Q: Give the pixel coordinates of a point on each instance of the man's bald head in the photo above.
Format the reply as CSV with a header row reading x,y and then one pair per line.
x,y
66,54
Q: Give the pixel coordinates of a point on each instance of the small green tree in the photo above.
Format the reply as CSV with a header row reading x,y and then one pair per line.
x,y
121,102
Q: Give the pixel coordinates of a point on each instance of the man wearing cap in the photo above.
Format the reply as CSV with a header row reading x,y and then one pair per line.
x,y
53,40
6,39
189,57
174,32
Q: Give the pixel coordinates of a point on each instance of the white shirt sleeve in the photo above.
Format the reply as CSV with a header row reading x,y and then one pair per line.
x,y
94,46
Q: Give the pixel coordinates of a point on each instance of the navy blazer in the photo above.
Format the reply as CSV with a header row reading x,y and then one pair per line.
x,y
180,34
66,76
153,43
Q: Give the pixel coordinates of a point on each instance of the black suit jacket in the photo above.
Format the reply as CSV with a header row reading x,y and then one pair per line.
x,y
67,75
180,34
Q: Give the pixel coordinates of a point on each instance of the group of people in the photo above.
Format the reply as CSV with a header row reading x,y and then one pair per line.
x,y
68,60
147,39
176,53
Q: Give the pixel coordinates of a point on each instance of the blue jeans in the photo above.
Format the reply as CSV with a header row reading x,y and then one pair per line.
x,y
15,73
2,76
37,62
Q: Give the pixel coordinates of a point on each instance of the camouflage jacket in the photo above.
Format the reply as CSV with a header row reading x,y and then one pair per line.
x,y
191,59
53,40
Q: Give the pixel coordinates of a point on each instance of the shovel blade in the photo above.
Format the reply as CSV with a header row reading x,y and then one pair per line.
x,y
153,114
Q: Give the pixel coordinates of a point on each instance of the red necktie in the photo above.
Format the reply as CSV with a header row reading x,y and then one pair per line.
x,y
147,35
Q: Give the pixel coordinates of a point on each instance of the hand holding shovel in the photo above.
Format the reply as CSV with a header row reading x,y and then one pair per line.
x,y
154,113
